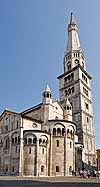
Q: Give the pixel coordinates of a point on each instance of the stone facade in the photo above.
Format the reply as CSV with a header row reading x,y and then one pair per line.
x,y
39,141
75,84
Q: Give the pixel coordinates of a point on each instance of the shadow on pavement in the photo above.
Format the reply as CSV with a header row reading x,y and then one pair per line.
x,y
30,183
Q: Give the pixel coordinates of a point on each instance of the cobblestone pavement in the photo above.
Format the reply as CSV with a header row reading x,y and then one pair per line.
x,y
7,181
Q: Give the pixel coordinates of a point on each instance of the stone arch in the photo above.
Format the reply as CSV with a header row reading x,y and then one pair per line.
x,y
30,138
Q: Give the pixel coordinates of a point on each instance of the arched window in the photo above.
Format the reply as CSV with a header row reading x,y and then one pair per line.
x,y
54,131
30,150
71,133
40,141
47,95
67,131
12,140
15,139
69,66
68,108
57,143
42,168
7,143
30,141
43,141
34,140
59,132
63,131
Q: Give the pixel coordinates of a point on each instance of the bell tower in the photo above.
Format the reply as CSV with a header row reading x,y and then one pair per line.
x,y
75,84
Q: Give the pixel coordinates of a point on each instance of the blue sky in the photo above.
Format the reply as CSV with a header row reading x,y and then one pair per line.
x,y
33,38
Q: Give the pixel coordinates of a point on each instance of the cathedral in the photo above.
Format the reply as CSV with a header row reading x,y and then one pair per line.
x,y
55,137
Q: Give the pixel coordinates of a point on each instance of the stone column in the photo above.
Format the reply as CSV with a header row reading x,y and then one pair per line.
x,y
37,158
65,154
10,152
21,157
50,154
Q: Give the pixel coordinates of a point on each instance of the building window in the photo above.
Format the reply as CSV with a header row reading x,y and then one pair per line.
x,y
69,91
63,131
30,150
42,168
54,131
69,66
70,144
15,139
30,140
84,77
43,151
72,89
7,143
57,143
12,140
87,119
57,168
87,106
34,141
58,132
40,141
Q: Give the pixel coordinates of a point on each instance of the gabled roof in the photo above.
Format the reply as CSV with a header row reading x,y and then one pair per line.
x,y
31,109
6,110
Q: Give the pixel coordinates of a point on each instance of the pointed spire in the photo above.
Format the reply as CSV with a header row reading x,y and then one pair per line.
x,y
47,95
72,19
47,89
73,39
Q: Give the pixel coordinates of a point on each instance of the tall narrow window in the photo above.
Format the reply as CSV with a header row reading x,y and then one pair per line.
x,y
57,168
57,143
70,144
30,150
54,131
43,151
69,66
42,168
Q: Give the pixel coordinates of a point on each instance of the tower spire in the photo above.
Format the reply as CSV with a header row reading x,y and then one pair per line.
x,y
72,19
73,55
73,39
